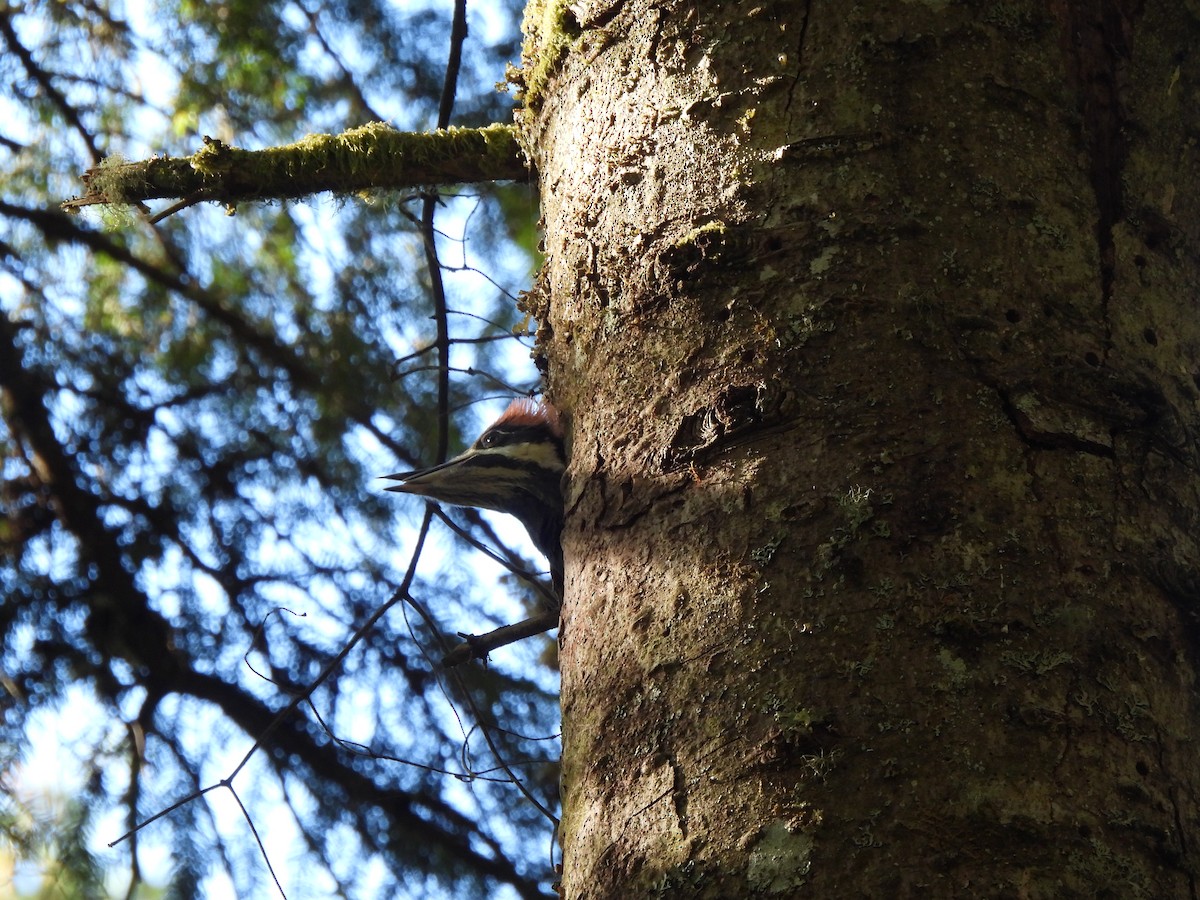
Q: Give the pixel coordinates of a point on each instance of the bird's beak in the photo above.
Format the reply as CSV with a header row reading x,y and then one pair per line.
x,y
412,481
456,481
422,481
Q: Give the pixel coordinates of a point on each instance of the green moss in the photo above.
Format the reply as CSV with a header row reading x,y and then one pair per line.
x,y
763,555
1036,663
1123,875
700,235
550,30
957,676
688,879
781,859
357,151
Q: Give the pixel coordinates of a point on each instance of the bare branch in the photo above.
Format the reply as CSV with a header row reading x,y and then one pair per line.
x,y
478,646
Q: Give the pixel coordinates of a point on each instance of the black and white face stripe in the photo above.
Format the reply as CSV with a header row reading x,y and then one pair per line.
x,y
505,470
514,435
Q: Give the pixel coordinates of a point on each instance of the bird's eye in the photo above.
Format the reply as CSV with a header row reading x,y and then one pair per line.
x,y
488,439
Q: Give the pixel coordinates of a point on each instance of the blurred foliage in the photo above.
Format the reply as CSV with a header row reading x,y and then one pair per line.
x,y
194,416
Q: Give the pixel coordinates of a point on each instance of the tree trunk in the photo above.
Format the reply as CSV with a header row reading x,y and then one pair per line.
x,y
875,329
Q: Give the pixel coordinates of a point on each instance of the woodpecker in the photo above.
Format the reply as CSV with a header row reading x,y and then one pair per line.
x,y
515,467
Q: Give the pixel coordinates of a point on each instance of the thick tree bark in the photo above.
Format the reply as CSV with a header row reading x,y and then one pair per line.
x,y
876,329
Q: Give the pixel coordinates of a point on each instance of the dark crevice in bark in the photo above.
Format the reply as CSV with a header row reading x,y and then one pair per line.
x,y
1099,42
1049,440
799,54
1180,585
679,794
1180,826
740,413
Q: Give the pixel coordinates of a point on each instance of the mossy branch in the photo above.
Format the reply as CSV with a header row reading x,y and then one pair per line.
x,y
373,156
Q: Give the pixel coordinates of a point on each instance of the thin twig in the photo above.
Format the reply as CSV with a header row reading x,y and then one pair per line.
x,y
478,646
400,594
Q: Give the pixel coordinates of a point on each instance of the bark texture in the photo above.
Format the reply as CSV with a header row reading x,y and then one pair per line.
x,y
876,328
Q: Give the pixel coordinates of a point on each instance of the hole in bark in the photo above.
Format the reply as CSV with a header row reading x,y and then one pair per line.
x,y
1196,380
724,314
1142,768
1150,337
1139,261
1091,358
1154,234
774,244
1047,311
1013,316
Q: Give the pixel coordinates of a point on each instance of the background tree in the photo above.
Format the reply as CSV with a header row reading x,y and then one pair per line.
x,y
195,413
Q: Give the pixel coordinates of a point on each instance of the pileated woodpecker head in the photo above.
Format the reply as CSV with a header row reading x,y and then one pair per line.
x,y
515,467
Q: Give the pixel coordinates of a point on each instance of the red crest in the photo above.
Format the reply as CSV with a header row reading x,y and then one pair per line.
x,y
526,412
